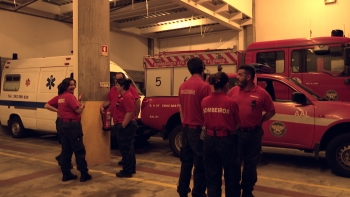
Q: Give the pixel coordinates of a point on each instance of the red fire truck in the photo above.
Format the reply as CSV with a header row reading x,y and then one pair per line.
x,y
316,124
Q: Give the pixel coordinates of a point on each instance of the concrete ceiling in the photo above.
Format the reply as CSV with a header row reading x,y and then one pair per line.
x,y
148,18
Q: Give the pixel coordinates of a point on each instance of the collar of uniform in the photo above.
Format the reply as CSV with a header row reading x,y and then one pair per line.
x,y
196,77
67,92
253,89
218,93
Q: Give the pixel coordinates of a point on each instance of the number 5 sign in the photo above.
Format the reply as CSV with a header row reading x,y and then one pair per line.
x,y
104,50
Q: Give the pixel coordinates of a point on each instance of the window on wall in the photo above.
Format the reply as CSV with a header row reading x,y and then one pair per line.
x,y
306,60
274,59
12,82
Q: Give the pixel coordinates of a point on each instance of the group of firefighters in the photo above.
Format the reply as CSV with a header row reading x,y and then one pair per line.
x,y
221,128
220,131
125,106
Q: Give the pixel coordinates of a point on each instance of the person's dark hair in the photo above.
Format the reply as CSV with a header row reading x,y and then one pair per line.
x,y
248,70
121,73
195,65
63,86
125,83
58,87
218,80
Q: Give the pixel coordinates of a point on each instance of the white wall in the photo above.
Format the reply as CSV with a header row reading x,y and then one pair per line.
x,y
220,40
37,37
281,19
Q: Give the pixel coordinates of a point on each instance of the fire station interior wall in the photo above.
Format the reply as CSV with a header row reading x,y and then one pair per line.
x,y
295,18
218,40
31,37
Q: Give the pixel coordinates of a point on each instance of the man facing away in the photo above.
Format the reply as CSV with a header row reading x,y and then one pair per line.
x,y
191,94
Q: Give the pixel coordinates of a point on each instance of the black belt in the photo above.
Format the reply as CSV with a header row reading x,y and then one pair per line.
x,y
246,129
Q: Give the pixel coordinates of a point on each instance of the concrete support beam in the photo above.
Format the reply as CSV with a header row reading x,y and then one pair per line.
x,y
179,15
191,5
177,25
90,32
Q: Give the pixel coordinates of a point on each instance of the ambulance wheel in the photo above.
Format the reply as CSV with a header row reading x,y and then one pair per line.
x,y
16,127
338,155
175,141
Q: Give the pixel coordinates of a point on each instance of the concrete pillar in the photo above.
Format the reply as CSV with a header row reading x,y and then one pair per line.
x,y
91,32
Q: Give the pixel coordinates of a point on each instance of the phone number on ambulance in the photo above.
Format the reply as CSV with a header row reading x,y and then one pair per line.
x,y
18,96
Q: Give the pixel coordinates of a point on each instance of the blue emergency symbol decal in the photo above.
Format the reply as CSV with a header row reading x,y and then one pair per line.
x,y
278,129
331,95
50,82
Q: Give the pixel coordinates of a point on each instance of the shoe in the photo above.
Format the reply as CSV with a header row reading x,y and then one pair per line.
x,y
85,177
68,177
123,174
121,162
247,194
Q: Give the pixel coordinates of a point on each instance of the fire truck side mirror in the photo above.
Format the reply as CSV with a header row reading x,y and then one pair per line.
x,y
299,98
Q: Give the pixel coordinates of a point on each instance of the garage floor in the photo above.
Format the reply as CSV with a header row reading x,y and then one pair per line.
x,y
28,168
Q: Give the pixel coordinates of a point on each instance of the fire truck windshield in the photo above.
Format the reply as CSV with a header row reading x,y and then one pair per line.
x,y
308,90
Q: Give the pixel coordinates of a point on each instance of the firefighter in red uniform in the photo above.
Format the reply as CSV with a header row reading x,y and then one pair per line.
x,y
71,132
113,97
52,107
251,100
124,121
221,119
191,94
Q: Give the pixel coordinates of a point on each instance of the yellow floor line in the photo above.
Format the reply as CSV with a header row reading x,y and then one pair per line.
x,y
155,162
303,183
91,170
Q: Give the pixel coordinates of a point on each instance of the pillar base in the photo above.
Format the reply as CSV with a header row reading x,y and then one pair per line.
x,y
96,141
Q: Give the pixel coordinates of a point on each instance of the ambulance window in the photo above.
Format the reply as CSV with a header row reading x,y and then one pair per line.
x,y
12,82
274,59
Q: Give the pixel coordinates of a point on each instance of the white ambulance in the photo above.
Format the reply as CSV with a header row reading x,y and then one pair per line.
x,y
27,84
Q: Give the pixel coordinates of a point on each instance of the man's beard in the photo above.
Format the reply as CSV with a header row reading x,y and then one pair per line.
x,y
243,83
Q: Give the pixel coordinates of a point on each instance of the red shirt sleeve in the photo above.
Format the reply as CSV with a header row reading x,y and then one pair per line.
x,y
128,103
72,101
268,103
53,101
134,92
109,96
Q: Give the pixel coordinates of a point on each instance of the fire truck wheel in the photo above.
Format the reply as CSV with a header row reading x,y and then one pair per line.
x,y
16,127
338,155
175,140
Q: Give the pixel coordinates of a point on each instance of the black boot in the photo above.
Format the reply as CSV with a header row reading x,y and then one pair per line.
x,y
247,194
85,177
69,176
123,174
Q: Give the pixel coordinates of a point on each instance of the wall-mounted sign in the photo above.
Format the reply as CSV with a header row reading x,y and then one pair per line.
x,y
104,50
104,84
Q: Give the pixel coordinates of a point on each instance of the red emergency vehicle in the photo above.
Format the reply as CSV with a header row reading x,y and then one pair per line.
x,y
304,120
319,63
